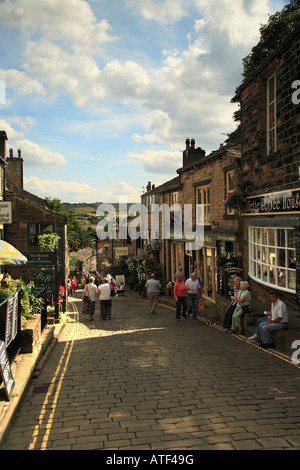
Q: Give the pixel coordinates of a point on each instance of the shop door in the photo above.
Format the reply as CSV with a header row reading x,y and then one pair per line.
x,y
210,274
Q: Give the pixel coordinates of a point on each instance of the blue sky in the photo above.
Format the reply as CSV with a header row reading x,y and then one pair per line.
x,y
100,95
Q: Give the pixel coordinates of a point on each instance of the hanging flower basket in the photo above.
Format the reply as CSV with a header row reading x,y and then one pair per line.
x,y
235,200
226,260
153,247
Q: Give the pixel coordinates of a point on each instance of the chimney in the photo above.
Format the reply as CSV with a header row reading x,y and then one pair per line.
x,y
14,172
3,139
192,155
149,186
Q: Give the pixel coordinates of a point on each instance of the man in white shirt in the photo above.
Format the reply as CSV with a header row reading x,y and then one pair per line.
x,y
153,288
193,291
278,321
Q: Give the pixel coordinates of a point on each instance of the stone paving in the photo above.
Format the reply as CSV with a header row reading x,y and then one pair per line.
x,y
148,382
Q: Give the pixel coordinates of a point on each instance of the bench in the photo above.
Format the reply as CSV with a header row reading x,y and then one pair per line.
x,y
282,339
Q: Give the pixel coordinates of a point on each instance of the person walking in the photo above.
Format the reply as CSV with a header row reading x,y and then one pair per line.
x,y
105,299
153,290
90,292
193,292
180,293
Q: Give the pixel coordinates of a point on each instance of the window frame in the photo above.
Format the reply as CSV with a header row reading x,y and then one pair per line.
x,y
29,234
265,254
271,129
206,206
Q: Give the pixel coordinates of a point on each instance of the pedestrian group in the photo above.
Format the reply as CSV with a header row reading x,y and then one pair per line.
x,y
188,298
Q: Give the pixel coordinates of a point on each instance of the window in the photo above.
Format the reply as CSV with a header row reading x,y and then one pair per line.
x,y
149,201
204,199
271,116
272,257
229,176
34,230
174,198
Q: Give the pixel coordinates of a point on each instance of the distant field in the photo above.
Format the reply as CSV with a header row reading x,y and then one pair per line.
x,y
85,213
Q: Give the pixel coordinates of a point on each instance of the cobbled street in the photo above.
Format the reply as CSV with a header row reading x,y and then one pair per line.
x,y
148,382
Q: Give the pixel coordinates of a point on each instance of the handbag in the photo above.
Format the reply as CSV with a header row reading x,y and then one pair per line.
x,y
200,305
246,309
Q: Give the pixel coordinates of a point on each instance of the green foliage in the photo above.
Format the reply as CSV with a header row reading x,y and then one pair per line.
x,y
279,26
77,236
272,34
36,305
48,241
74,264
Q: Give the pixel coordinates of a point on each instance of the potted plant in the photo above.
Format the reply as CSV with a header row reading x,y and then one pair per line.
x,y
235,200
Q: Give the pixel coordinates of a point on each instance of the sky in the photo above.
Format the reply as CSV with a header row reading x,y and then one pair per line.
x,y
100,95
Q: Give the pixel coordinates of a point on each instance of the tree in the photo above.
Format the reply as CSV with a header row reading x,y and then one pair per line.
x,y
77,236
279,26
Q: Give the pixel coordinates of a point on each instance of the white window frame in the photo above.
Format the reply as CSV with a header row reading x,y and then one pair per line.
x,y
265,266
228,189
205,202
271,129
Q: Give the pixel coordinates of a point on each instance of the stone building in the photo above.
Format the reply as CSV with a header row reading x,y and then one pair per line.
x,y
31,217
202,180
271,169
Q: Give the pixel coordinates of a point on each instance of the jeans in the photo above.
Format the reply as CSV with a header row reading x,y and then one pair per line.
x,y
259,324
181,301
265,330
193,304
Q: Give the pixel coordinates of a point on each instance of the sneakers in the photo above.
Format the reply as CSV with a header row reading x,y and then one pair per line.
x,y
253,337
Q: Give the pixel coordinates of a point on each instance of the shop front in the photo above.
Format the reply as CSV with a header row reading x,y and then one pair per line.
x,y
203,261
271,227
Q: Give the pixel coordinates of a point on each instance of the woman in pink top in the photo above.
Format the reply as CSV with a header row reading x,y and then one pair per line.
x,y
180,293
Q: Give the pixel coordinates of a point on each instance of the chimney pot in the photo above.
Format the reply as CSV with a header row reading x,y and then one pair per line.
x,y
11,153
187,144
19,153
193,143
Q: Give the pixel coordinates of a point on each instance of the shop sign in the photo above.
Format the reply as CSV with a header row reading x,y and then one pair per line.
x,y
282,202
40,258
41,279
229,275
122,251
5,212
211,238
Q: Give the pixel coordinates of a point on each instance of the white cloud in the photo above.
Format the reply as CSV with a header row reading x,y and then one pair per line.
x,y
12,134
36,156
120,190
70,21
24,82
66,191
169,11
158,161
239,19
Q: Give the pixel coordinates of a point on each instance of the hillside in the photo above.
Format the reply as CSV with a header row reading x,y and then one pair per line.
x,y
85,213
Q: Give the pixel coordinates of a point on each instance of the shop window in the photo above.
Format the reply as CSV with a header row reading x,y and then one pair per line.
x,y
271,116
34,230
272,257
204,199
